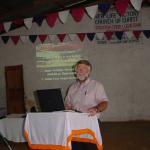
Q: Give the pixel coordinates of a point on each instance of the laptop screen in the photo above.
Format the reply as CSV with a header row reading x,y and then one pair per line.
x,y
50,100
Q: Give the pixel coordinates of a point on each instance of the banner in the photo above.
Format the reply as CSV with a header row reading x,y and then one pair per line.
x,y
112,21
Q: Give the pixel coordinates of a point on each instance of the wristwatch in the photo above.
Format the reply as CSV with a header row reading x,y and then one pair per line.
x,y
96,109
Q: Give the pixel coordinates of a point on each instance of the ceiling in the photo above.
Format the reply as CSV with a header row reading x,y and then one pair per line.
x,y
20,9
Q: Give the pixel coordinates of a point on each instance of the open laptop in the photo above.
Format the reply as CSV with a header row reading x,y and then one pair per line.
x,y
50,100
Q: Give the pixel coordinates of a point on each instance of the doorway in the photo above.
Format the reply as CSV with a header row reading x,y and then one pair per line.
x,y
14,89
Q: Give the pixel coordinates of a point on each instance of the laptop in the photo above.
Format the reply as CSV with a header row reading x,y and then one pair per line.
x,y
50,100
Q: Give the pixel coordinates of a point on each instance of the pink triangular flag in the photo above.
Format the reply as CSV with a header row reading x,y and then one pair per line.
x,y
63,15
81,36
77,13
92,10
121,6
42,37
15,39
137,34
108,35
61,37
51,19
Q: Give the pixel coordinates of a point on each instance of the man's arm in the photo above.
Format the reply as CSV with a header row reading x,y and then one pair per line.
x,y
99,108
102,106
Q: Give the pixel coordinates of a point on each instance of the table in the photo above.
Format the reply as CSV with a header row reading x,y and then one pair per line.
x,y
56,130
12,128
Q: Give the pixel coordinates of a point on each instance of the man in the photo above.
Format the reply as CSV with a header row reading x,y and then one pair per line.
x,y
86,95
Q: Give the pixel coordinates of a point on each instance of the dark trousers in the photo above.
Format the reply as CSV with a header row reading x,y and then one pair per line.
x,y
83,146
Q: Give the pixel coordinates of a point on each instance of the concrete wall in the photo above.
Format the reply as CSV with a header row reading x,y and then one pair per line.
x,y
122,68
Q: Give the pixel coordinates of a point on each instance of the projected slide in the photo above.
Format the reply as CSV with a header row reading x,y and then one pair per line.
x,y
56,61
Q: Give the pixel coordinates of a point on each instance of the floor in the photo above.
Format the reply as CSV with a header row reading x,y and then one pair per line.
x,y
116,136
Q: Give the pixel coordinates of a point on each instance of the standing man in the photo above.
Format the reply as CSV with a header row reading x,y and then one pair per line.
x,y
86,95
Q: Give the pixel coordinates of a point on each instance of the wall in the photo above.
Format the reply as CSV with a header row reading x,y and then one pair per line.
x,y
122,68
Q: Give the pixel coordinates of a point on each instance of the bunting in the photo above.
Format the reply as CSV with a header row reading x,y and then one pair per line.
x,y
91,11
38,20
51,19
15,39
81,36
52,37
72,36
63,15
137,34
5,39
91,36
32,38
1,27
42,38
121,6
119,34
146,33
108,35
129,34
136,4
7,26
76,13
24,38
100,35
104,7
61,37
28,22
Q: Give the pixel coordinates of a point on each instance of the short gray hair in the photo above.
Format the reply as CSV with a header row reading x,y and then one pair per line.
x,y
85,62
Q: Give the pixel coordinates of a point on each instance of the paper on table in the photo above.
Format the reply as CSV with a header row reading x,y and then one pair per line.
x,y
15,115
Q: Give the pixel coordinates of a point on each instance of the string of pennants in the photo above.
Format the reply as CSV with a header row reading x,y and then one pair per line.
x,y
81,36
76,13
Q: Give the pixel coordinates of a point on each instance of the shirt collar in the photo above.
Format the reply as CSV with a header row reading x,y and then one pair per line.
x,y
84,83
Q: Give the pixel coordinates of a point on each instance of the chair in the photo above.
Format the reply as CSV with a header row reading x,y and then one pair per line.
x,y
50,100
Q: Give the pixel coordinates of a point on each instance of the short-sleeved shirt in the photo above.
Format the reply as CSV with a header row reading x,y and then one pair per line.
x,y
83,96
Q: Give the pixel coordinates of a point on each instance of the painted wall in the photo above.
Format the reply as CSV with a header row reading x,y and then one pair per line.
x,y
122,68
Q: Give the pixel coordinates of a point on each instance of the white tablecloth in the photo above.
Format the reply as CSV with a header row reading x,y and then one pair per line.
x,y
12,129
56,130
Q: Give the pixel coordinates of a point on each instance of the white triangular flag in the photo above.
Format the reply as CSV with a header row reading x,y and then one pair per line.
x,y
136,4
7,26
52,37
100,35
72,36
28,22
24,38
129,34
63,15
92,10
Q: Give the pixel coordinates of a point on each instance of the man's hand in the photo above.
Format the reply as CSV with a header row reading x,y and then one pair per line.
x,y
99,108
92,111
